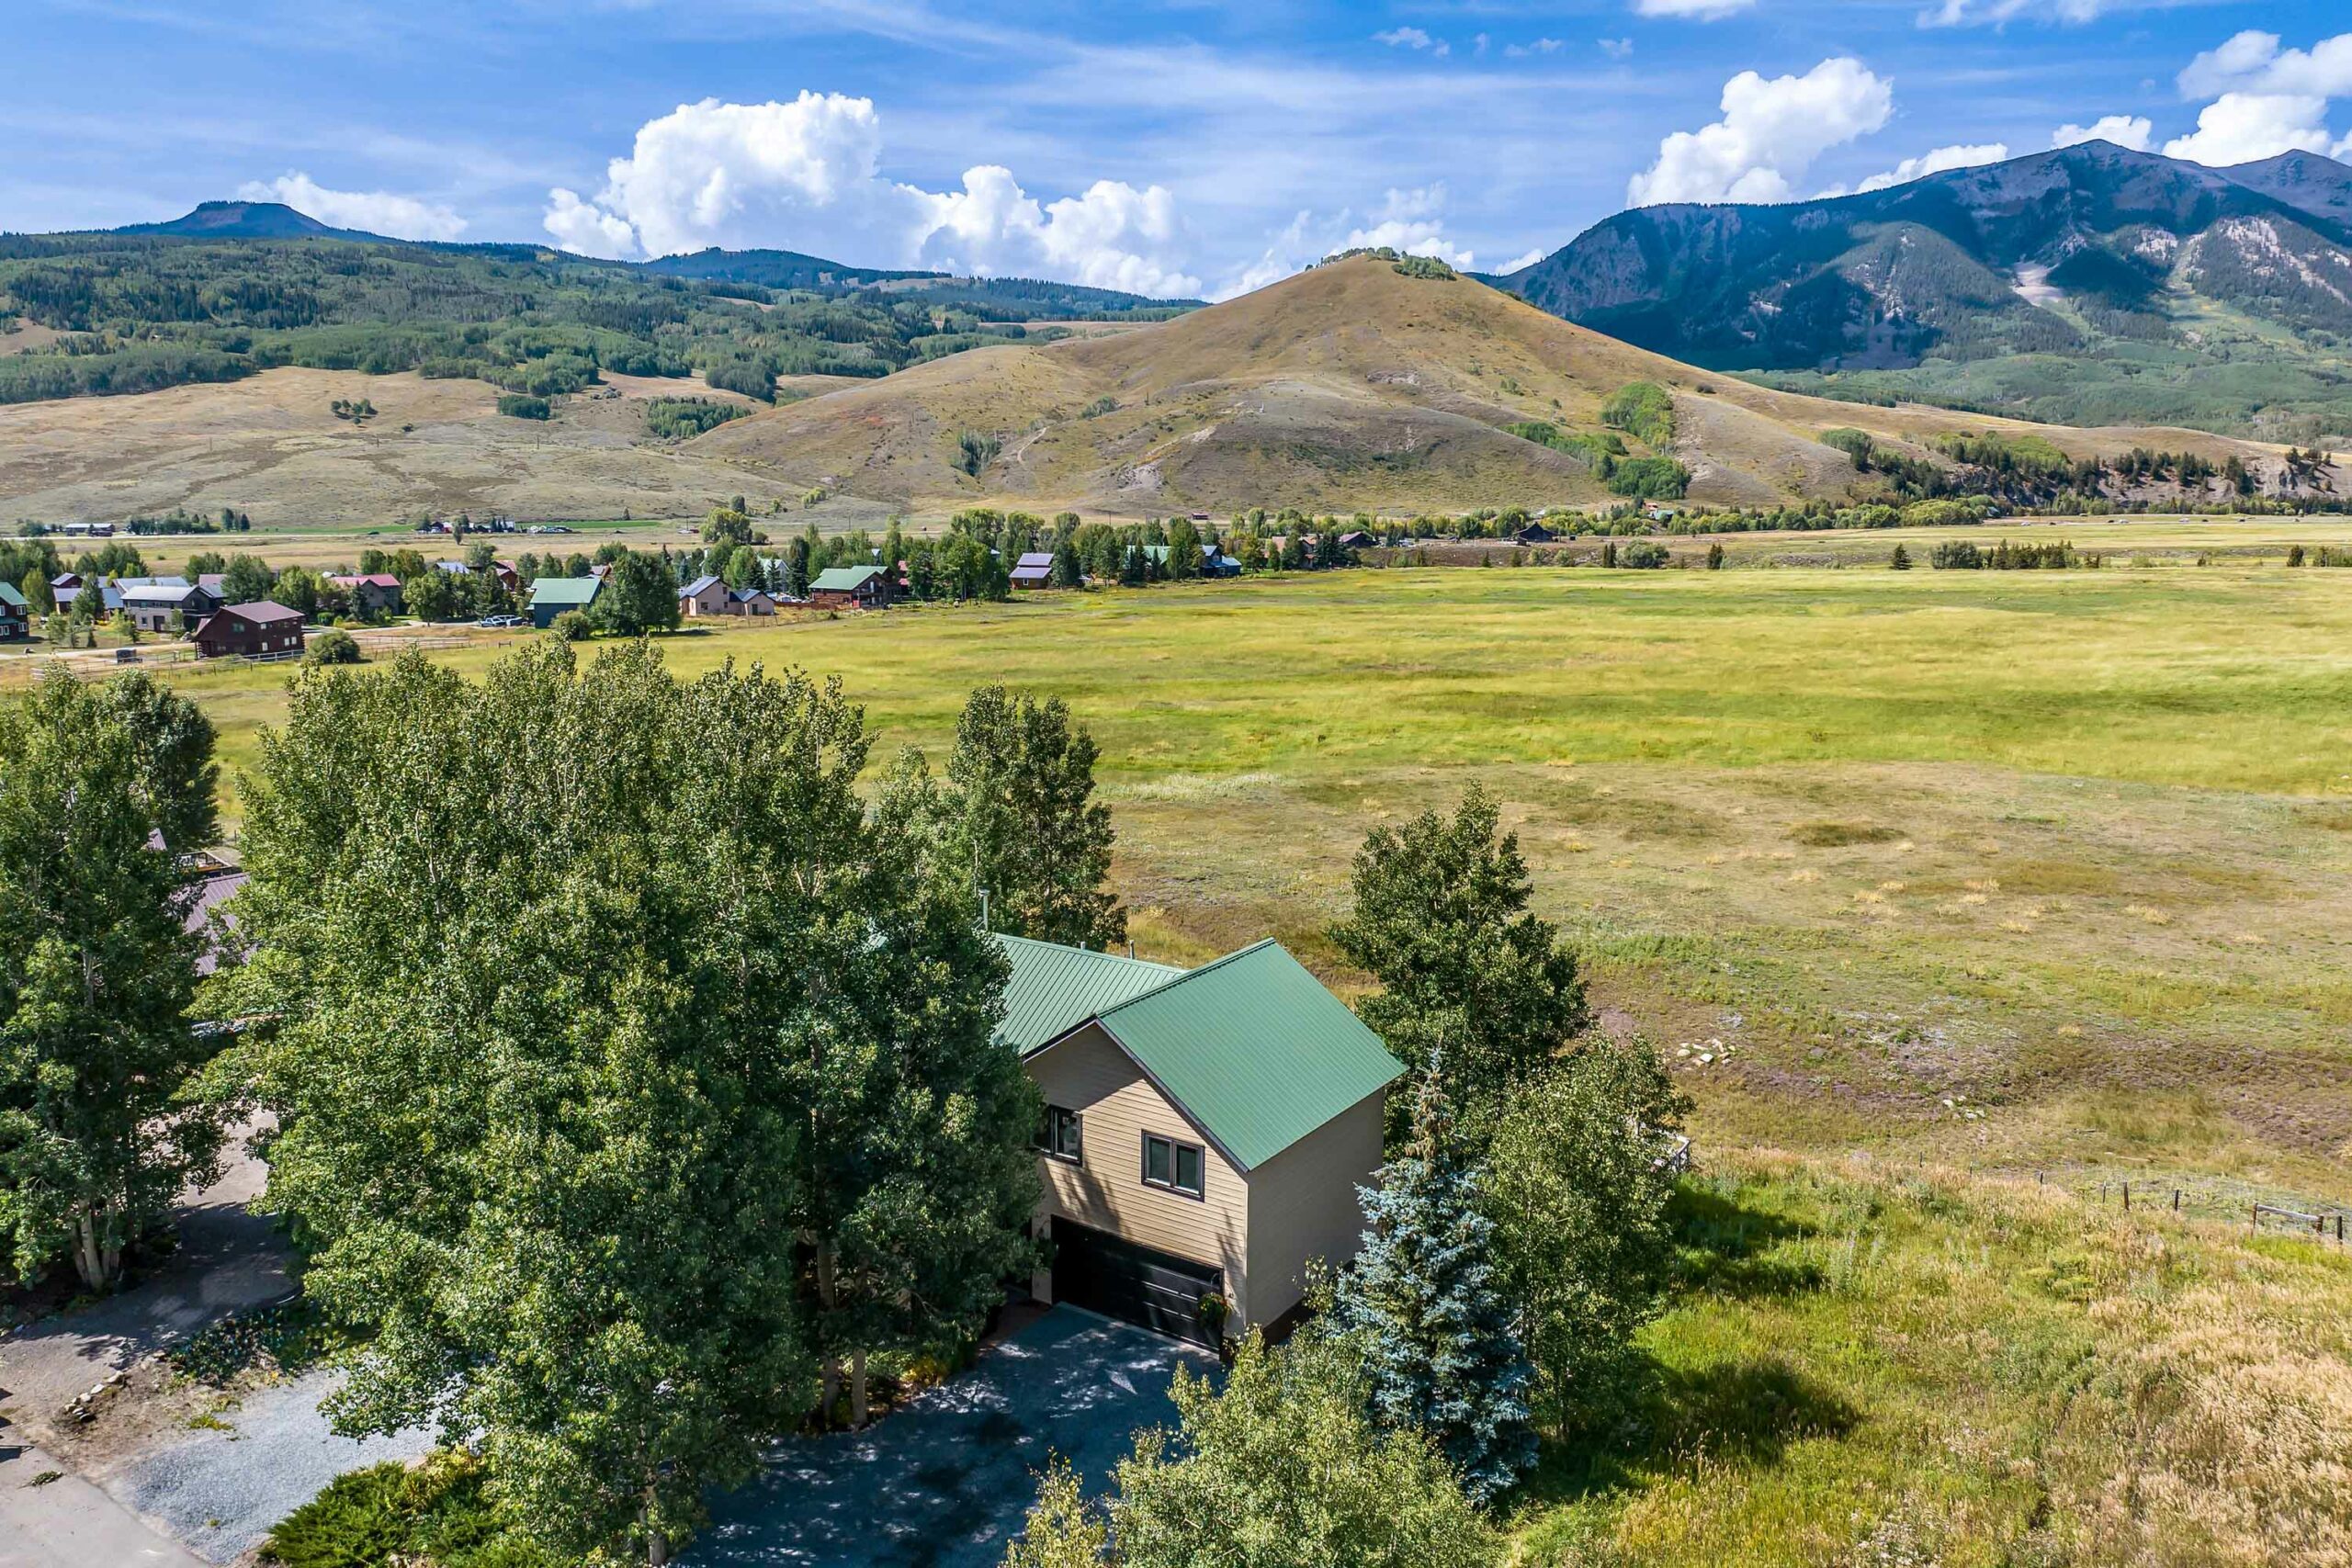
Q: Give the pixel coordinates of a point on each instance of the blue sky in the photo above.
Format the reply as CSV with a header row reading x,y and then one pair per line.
x,y
1180,146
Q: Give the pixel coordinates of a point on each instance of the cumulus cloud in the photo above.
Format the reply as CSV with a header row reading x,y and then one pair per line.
x,y
1936,163
1617,48
375,211
1770,132
2237,128
2253,62
2267,99
1519,262
1697,10
805,174
1540,46
2132,130
1995,12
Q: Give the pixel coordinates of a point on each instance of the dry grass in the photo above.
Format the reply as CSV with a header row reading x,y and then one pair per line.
x,y
1875,1366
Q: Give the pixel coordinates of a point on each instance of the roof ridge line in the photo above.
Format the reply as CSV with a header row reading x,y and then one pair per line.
x,y
1184,974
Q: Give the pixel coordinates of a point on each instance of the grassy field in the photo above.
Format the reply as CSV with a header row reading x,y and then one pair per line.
x,y
1957,899
2026,871
1888,1368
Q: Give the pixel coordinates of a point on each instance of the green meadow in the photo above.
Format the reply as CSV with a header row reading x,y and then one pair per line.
x,y
1957,899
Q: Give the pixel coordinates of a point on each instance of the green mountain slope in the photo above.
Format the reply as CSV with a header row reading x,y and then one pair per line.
x,y
235,287
2091,284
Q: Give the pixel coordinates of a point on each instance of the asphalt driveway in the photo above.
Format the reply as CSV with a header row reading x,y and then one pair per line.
x,y
946,1480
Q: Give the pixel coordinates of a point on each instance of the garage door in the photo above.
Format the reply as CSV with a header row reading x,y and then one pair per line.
x,y
1136,1284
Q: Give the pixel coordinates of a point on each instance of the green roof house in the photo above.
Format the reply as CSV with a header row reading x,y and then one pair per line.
x,y
15,613
551,596
1205,1130
851,588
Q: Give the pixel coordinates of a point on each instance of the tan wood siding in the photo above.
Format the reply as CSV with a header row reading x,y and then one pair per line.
x,y
1116,1106
1303,1205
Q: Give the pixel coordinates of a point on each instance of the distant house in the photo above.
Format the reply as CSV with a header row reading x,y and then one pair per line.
x,y
372,594
15,613
551,596
1359,540
1658,512
151,606
1535,533
1205,1132
851,588
1216,563
220,882
706,595
262,629
1035,569
750,602
67,589
210,582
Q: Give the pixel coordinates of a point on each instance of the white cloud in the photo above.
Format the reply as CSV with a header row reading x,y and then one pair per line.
x,y
2267,99
1697,10
2134,131
1530,259
1617,48
1540,46
1412,221
1404,38
805,175
375,211
2253,62
1936,163
2237,128
1996,13
1770,131
586,229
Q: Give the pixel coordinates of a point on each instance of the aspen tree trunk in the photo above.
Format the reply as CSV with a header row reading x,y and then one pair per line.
x,y
857,1407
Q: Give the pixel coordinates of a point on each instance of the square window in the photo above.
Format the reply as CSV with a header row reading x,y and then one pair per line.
x,y
1059,1134
1177,1167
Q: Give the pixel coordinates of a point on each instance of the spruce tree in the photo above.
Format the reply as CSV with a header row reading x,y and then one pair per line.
x,y
1900,560
1441,1353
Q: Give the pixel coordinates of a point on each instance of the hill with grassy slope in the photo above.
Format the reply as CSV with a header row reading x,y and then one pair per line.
x,y
1350,386
2088,286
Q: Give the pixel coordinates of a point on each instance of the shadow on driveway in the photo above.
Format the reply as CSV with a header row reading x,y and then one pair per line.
x,y
944,1481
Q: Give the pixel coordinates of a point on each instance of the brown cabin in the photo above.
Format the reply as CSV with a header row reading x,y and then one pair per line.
x,y
259,630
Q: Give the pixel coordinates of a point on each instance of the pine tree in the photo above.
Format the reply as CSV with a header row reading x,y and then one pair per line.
x,y
1441,1353
1900,560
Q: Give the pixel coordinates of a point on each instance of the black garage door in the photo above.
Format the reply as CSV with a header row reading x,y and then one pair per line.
x,y
1103,1273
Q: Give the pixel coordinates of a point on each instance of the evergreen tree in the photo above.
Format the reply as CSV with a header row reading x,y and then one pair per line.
x,y
1066,572
1440,918
101,788
1133,568
1441,1351
1184,550
1900,560
1715,556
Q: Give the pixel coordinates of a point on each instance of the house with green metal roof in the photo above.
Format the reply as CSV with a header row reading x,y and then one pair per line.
x,y
551,596
852,588
15,613
1205,1134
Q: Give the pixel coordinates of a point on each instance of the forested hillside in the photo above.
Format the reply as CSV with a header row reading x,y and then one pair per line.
x,y
2089,286
126,312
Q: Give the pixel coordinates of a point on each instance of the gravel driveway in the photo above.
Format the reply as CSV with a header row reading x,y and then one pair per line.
x,y
944,1479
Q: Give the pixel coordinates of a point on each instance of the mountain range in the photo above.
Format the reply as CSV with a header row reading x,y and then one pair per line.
x,y
2085,286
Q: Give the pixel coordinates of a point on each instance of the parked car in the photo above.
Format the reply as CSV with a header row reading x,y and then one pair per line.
x,y
502,621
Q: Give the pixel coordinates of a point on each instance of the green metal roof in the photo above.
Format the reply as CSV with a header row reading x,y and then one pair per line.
x,y
566,590
10,597
1252,1047
844,578
1055,989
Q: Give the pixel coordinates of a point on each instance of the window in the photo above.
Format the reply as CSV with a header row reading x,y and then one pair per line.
x,y
1059,1135
1174,1165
